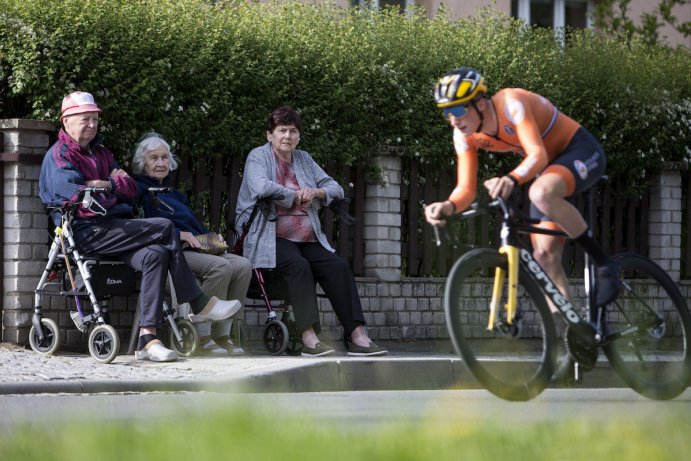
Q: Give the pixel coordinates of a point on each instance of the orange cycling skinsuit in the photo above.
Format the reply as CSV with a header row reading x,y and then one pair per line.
x,y
561,155
527,122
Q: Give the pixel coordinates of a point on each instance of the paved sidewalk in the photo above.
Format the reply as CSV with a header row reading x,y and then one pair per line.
x,y
23,371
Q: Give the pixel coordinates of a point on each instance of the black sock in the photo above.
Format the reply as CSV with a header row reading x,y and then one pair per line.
x,y
198,303
144,340
593,248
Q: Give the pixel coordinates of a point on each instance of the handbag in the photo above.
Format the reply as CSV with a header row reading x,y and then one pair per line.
x,y
210,243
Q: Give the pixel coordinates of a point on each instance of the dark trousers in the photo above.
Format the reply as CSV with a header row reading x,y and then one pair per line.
x,y
152,247
304,264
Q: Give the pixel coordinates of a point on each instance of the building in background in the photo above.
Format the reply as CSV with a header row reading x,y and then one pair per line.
x,y
545,13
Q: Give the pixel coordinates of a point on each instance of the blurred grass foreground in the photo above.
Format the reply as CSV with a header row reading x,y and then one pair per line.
x,y
243,434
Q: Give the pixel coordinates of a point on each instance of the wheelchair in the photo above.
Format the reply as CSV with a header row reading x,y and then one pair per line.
x,y
279,335
71,274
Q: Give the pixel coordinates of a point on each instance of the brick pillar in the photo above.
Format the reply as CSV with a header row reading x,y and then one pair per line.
x,y
664,224
383,220
22,146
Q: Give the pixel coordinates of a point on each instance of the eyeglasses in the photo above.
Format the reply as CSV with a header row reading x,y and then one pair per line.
x,y
456,111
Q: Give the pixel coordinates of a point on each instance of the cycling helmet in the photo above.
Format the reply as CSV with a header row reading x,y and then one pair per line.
x,y
459,87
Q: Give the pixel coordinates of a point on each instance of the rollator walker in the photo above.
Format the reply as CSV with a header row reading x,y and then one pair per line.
x,y
71,274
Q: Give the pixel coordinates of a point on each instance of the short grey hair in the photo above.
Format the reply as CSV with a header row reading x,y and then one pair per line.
x,y
149,143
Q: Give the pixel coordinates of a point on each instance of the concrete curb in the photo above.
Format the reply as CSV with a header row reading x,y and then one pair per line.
x,y
387,373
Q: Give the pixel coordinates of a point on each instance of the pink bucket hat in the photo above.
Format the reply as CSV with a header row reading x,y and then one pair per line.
x,y
78,102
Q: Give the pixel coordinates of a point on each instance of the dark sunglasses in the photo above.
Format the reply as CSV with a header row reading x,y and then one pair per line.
x,y
456,111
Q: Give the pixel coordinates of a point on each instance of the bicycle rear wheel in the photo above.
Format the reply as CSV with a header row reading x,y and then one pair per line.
x,y
514,362
647,330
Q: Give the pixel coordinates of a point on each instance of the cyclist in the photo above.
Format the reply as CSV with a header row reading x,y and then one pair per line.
x,y
561,156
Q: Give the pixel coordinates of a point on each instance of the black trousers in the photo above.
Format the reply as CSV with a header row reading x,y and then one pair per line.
x,y
152,247
304,264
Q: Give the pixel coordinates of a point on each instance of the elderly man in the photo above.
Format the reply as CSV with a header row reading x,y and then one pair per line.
x,y
78,160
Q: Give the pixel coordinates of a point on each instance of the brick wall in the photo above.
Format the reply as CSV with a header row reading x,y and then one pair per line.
x,y
664,237
408,309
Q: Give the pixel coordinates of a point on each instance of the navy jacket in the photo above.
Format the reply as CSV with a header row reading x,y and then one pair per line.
x,y
183,216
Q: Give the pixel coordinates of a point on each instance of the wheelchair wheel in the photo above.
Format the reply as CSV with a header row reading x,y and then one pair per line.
x,y
104,343
294,341
190,338
51,337
275,337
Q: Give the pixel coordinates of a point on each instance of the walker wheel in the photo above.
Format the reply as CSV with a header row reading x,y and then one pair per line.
x,y
294,342
275,337
104,343
51,337
190,338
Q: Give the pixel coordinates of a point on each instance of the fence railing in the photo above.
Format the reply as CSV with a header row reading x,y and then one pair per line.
x,y
621,221
212,186
620,224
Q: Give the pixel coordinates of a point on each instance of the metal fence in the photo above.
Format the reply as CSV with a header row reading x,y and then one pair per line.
x,y
621,220
620,224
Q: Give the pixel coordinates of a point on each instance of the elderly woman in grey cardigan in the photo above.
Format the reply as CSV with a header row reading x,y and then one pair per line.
x,y
294,244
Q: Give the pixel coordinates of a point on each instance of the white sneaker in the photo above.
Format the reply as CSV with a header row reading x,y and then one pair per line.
x,y
156,352
216,309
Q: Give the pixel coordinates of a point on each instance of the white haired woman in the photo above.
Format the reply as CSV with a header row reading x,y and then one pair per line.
x,y
225,275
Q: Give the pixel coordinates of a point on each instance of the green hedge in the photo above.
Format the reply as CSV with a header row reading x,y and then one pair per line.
x,y
206,75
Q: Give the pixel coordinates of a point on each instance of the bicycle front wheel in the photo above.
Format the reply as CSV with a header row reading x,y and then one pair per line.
x,y
512,361
647,328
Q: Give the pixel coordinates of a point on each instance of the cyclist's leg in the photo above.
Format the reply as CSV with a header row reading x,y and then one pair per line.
x,y
548,251
577,169
548,194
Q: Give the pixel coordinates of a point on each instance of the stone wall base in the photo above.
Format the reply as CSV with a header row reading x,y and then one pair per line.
x,y
409,310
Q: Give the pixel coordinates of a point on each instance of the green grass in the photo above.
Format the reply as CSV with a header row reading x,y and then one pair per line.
x,y
245,435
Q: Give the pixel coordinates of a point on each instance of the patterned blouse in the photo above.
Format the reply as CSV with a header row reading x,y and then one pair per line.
x,y
293,223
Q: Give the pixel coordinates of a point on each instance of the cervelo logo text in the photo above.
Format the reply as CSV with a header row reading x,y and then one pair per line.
x,y
110,281
557,298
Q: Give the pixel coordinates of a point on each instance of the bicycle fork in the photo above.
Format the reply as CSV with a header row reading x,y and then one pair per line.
x,y
500,274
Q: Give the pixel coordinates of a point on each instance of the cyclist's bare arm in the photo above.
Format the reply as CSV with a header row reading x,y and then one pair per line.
x,y
466,183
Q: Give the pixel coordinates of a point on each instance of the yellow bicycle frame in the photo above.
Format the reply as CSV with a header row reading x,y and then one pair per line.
x,y
511,253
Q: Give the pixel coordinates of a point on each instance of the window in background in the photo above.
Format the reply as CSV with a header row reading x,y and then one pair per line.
x,y
553,13
577,14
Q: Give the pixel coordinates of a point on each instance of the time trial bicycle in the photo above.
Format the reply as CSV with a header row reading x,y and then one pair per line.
x,y
498,318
